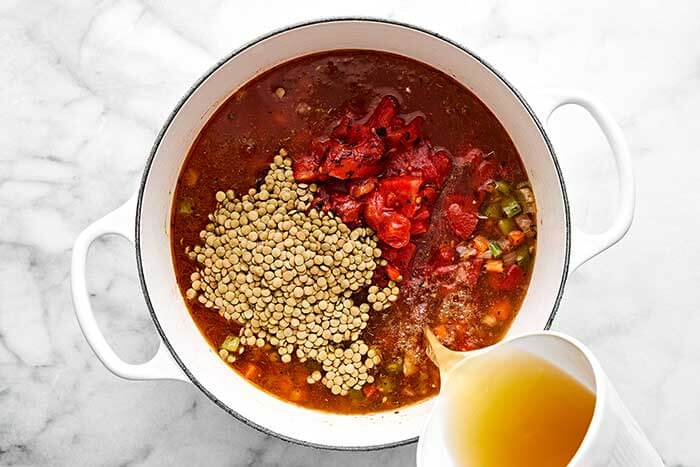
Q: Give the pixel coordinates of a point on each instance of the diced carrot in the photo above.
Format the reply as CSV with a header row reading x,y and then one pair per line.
x,y
501,310
481,243
516,237
251,370
494,265
370,390
440,332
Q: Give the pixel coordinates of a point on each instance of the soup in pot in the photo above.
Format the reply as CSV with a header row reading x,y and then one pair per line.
x,y
335,206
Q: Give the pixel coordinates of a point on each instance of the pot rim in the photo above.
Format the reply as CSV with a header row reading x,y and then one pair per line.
x,y
217,66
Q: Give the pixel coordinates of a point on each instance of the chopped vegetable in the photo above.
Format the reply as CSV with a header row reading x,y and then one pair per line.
x,y
506,225
231,343
185,206
493,210
494,265
481,243
511,207
522,255
503,187
495,249
516,237
386,384
394,366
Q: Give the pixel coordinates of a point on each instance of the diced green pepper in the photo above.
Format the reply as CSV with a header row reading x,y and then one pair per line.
x,y
185,206
522,255
231,343
394,366
493,210
355,394
506,225
503,187
386,384
495,249
511,207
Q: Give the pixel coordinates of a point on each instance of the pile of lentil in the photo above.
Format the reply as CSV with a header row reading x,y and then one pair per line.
x,y
287,273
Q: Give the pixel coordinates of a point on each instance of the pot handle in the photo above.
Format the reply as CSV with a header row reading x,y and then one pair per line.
x,y
584,245
161,365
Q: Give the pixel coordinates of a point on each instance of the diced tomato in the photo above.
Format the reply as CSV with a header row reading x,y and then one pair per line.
x,y
405,135
353,161
306,167
342,129
393,272
442,162
419,227
433,167
513,277
321,201
346,207
461,215
359,188
395,230
423,214
401,258
375,209
401,193
384,113
428,195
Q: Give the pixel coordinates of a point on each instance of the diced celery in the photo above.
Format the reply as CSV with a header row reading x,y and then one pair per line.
x,y
493,210
503,187
506,225
522,255
511,207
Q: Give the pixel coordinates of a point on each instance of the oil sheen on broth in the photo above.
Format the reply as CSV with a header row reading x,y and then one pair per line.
x,y
512,408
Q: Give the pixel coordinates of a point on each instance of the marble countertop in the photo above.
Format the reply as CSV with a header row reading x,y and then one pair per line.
x,y
85,87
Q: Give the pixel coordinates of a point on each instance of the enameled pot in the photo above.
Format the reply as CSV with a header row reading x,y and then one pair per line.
x,y
145,220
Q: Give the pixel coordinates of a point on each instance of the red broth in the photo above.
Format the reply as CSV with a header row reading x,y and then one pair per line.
x,y
469,303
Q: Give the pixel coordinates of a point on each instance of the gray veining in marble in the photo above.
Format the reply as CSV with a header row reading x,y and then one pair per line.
x,y
84,88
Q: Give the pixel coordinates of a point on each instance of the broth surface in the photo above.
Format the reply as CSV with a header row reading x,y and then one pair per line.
x,y
235,148
512,408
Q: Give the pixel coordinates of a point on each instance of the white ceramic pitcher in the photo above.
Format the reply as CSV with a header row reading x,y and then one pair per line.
x,y
613,438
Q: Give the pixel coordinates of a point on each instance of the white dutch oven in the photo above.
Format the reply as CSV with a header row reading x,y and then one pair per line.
x,y
145,220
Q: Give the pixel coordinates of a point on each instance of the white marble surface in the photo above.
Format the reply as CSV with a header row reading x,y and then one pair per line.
x,y
84,88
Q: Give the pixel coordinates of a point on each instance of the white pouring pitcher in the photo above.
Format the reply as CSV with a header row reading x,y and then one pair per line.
x,y
613,438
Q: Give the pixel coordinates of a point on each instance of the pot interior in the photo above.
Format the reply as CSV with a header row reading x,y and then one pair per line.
x,y
168,308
